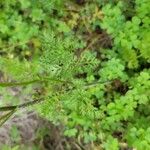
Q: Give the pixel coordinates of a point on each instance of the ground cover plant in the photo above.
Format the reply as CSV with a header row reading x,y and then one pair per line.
x,y
85,65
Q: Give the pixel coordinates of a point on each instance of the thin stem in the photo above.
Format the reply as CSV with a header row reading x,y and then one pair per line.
x,y
8,108
14,108
5,117
45,79
9,84
90,85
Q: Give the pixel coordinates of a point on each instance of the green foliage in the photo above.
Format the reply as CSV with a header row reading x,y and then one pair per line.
x,y
111,143
112,69
15,135
21,22
58,55
139,138
25,69
130,36
94,97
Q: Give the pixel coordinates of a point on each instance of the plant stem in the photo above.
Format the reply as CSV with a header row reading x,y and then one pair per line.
x,y
7,108
9,84
5,117
45,79
90,85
